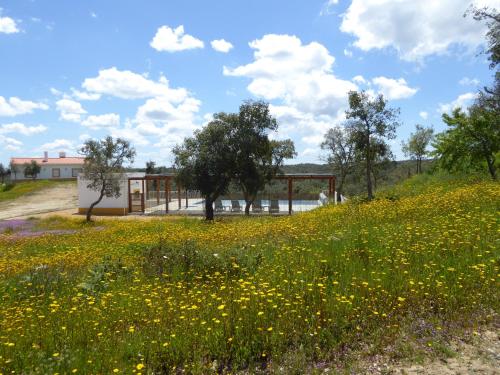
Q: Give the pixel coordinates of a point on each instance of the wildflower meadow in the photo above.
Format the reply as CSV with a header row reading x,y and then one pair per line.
x,y
179,295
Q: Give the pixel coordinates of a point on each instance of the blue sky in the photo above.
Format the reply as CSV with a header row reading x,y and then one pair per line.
x,y
154,71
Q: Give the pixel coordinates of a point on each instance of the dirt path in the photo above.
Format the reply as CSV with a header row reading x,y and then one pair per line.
x,y
63,197
479,355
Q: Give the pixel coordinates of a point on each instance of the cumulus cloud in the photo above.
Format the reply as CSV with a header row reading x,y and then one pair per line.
x,y
424,115
394,89
10,144
70,110
21,128
8,25
221,45
466,81
300,75
82,95
125,84
174,40
60,145
14,106
102,121
461,102
415,29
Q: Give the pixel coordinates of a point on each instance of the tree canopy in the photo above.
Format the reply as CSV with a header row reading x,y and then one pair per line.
x,y
372,122
416,146
104,166
205,162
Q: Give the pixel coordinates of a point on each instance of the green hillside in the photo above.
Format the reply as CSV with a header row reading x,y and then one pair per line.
x,y
283,294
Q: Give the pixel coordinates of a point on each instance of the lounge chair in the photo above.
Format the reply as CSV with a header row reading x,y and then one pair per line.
x,y
257,206
274,208
235,206
218,206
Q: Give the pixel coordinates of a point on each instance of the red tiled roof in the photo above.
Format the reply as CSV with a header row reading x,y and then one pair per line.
x,y
54,161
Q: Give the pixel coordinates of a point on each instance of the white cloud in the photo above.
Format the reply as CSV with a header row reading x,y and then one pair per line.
x,y
415,29
70,110
10,144
60,145
347,53
82,95
461,102
424,115
8,25
359,79
129,133
327,7
466,81
14,106
20,128
174,40
221,45
300,75
108,120
125,84
84,137
394,89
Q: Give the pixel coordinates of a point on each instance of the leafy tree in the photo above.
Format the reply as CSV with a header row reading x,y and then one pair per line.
x,y
150,167
205,162
3,172
472,138
371,123
103,167
257,159
492,18
341,149
32,169
416,146
13,169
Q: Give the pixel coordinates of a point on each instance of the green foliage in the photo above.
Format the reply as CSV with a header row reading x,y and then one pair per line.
x,y
416,146
472,140
32,169
257,159
150,167
370,123
103,166
205,161
339,143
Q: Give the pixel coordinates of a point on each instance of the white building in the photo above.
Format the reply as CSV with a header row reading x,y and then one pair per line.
x,y
59,168
129,189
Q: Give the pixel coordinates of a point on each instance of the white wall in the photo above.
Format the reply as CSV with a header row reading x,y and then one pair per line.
x,y
46,172
86,196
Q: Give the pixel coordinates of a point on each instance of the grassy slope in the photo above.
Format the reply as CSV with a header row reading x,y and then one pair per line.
x,y
27,187
291,291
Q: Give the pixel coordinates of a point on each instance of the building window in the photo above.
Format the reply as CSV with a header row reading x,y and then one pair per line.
x,y
56,172
75,171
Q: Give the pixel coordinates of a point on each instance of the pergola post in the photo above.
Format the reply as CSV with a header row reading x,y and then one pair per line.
x,y
290,187
157,181
142,197
167,193
129,198
179,195
187,199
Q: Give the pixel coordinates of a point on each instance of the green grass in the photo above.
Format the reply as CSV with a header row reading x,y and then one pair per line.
x,y
396,275
18,189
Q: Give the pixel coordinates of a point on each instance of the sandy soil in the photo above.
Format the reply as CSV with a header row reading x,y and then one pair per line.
x,y
480,356
54,199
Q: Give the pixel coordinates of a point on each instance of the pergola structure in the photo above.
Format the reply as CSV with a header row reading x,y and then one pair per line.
x,y
163,183
290,177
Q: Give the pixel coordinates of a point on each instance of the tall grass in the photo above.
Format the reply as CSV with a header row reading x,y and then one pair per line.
x,y
240,294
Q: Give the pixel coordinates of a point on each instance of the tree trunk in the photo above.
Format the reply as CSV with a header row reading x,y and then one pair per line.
x,y
369,186
491,167
89,211
209,208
